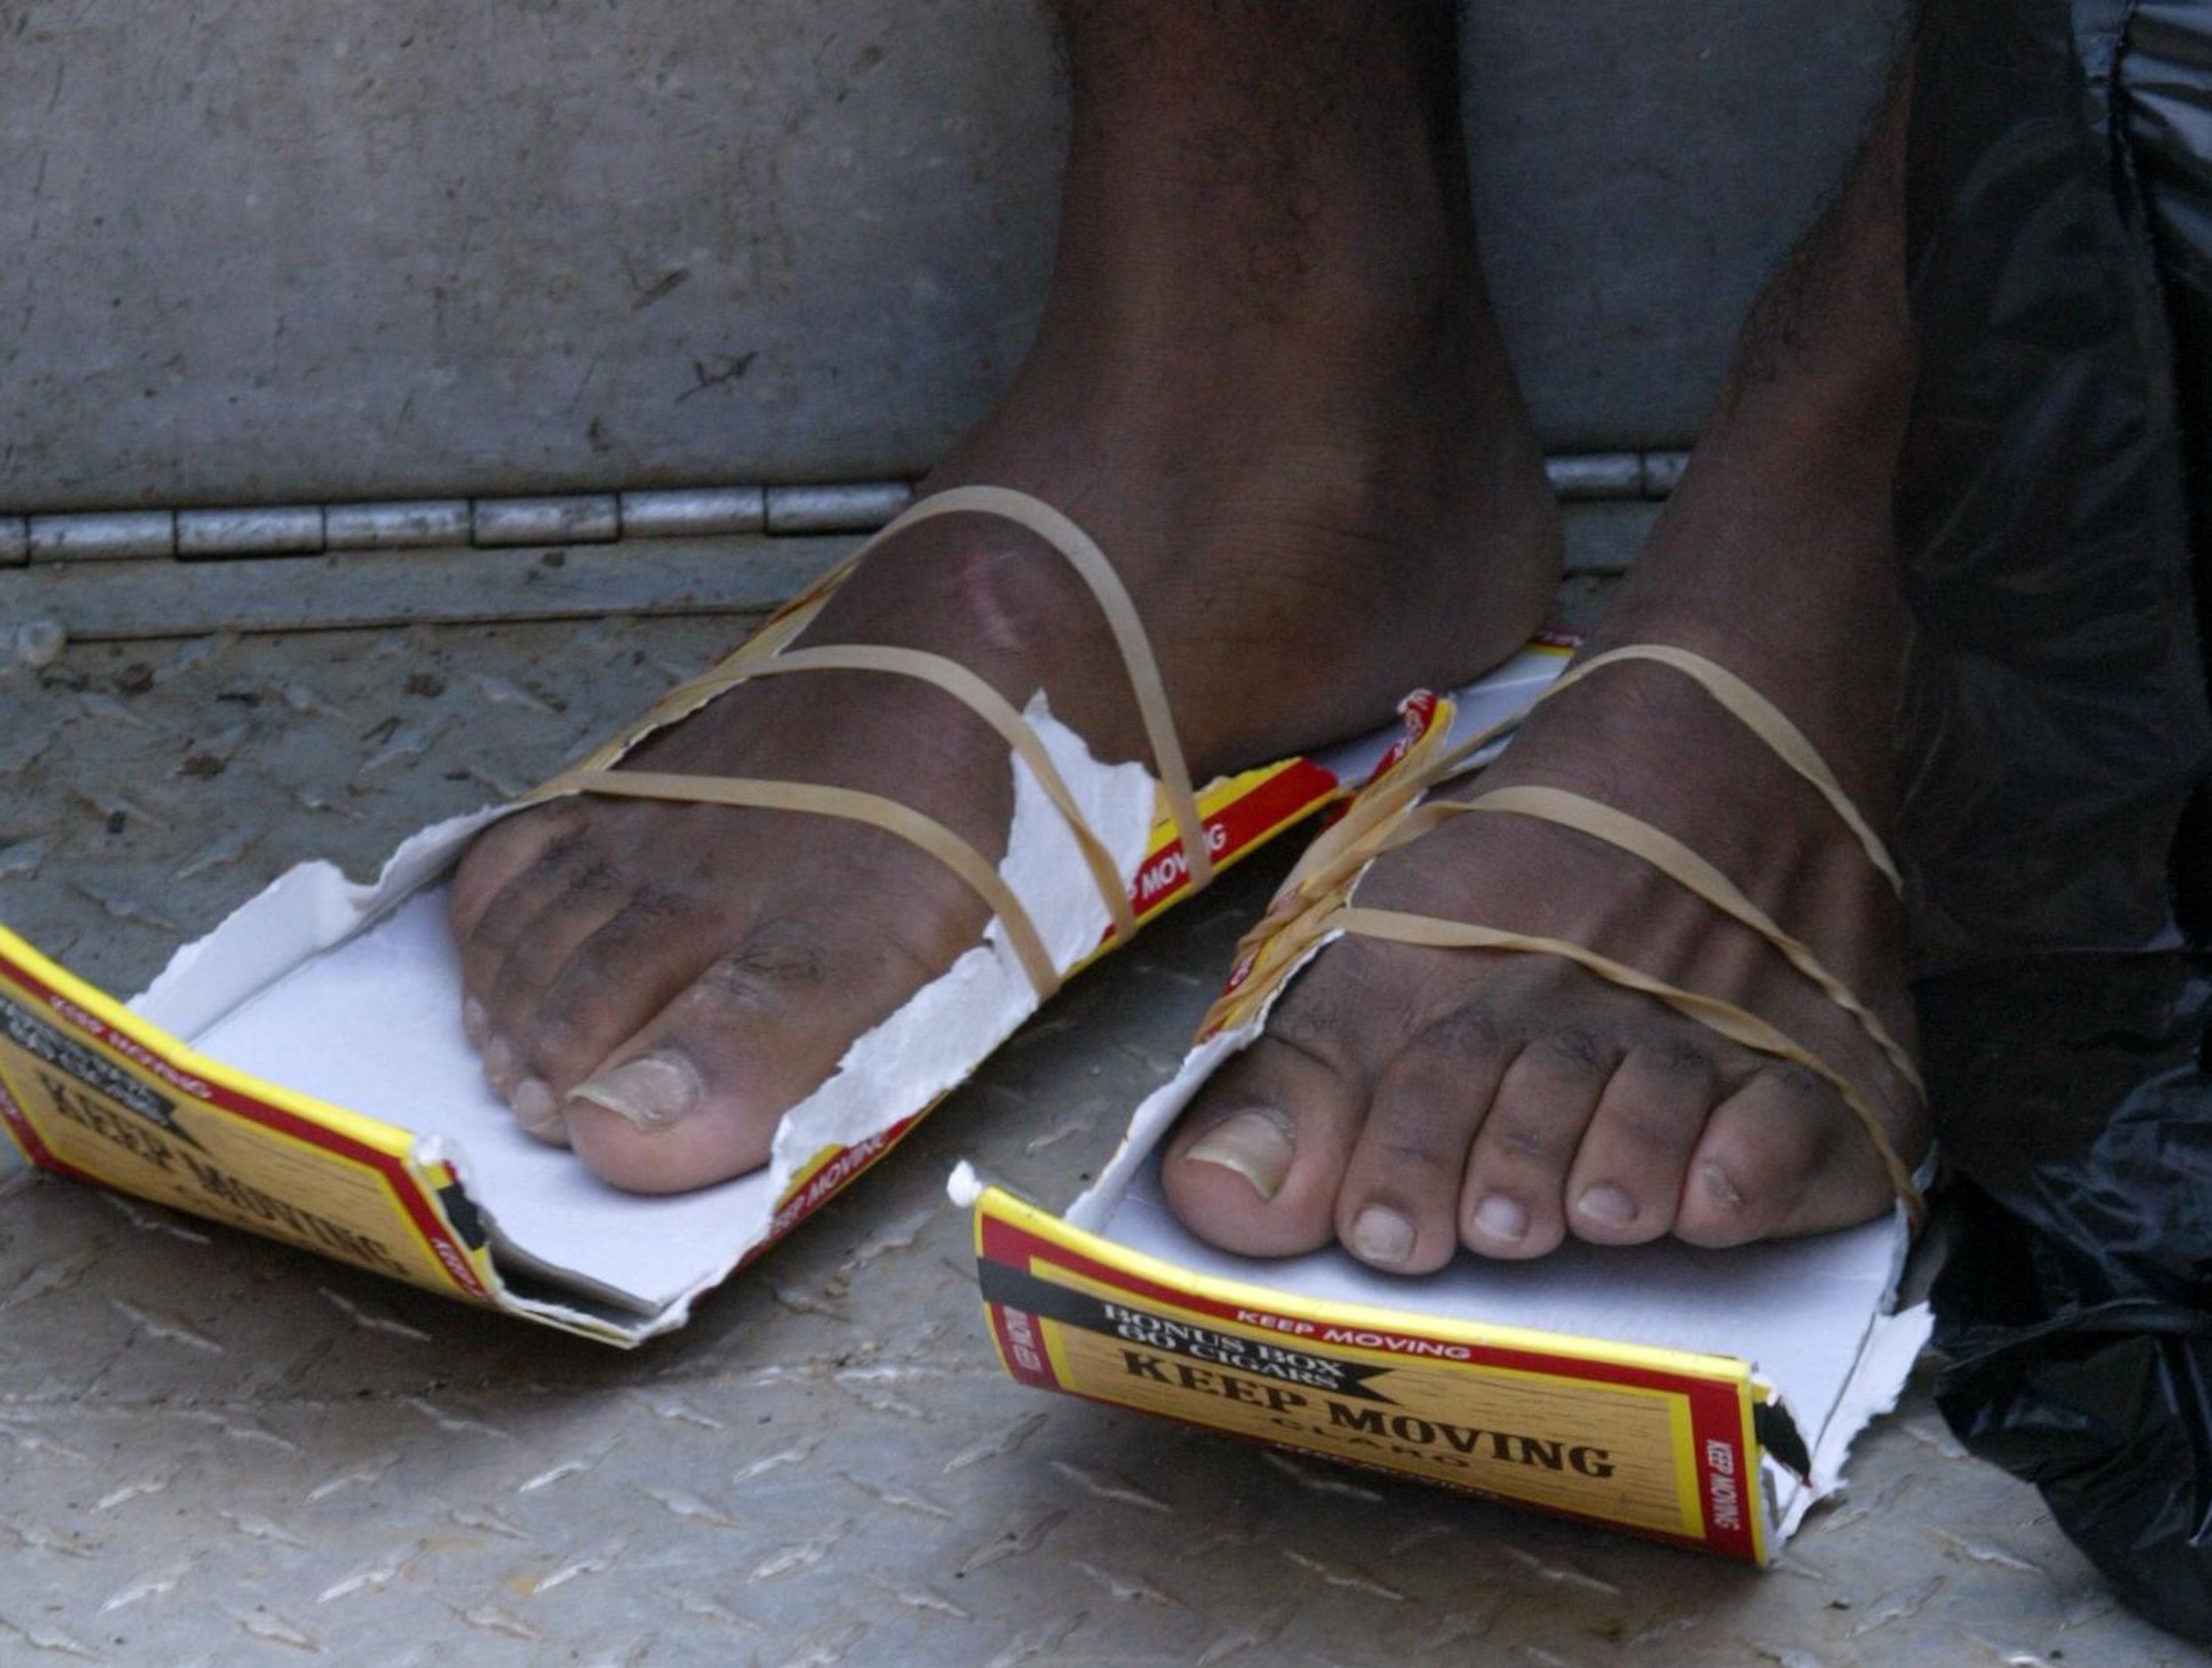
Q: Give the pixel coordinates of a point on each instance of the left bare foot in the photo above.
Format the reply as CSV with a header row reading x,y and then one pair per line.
x,y
1408,1101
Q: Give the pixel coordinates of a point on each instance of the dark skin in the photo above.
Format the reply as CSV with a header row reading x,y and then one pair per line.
x,y
1268,383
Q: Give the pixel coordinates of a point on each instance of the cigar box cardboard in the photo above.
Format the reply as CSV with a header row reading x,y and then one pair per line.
x,y
301,1072
1707,1399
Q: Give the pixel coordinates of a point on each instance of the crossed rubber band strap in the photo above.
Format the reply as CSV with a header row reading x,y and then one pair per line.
x,y
1765,720
766,655
988,705
1392,817
1686,868
855,807
1145,683
1729,1020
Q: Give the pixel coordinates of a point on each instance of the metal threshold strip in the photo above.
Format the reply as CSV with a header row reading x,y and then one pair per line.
x,y
128,574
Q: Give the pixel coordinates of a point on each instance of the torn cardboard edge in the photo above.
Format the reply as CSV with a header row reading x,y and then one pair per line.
x,y
1705,1399
300,1072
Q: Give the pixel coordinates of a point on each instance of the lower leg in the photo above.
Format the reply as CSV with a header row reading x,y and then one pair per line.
x,y
1407,1102
1268,342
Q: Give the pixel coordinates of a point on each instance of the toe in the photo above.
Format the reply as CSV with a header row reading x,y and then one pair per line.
x,y
1397,1208
1628,1173
504,881
640,958
1512,1204
498,855
1776,1158
694,1096
1255,1164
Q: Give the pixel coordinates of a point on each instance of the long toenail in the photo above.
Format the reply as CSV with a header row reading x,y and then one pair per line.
x,y
1256,1145
652,1091
499,1064
1501,1218
1607,1203
474,1021
1380,1236
536,1110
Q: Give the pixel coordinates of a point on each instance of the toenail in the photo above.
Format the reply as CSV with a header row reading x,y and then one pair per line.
x,y
1723,1191
1256,1145
1607,1204
499,1063
1501,1218
536,1110
1380,1236
652,1091
474,1021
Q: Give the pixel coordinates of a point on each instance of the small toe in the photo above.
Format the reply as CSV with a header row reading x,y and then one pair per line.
x,y
1512,1204
1399,1206
498,856
1626,1177
1763,1156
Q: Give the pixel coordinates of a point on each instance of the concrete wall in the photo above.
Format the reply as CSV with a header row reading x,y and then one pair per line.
x,y
271,249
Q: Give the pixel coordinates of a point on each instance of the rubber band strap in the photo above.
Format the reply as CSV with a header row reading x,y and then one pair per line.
x,y
986,703
765,654
1081,553
854,806
1731,1021
1150,690
1691,872
1314,900
1764,719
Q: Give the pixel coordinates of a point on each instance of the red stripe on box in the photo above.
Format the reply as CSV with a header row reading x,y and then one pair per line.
x,y
1716,1408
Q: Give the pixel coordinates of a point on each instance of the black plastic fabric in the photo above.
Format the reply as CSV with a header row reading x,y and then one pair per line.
x,y
2058,745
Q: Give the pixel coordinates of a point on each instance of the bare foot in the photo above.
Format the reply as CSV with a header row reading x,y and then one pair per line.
x,y
1407,1102
1266,384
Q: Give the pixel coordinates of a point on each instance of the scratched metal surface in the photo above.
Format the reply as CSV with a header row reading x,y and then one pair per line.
x,y
417,249
213,1449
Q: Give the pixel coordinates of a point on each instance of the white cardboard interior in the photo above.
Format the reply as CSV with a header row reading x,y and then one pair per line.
x,y
291,989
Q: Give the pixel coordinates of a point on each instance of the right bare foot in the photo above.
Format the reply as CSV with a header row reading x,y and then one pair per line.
x,y
1266,384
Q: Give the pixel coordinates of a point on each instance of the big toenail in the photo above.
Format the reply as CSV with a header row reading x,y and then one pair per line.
x,y
499,1063
474,1021
1382,1236
536,1110
1607,1204
1256,1145
1501,1218
1718,1184
652,1091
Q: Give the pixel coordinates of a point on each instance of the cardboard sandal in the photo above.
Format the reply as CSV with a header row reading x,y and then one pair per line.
x,y
301,1071
1700,1397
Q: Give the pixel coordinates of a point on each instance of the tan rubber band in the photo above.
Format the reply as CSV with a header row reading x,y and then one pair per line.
x,y
1090,564
766,655
986,703
1726,1019
1766,720
853,805
1686,868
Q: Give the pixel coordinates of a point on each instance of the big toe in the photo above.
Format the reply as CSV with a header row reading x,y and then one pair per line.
x,y
1256,1164
694,1093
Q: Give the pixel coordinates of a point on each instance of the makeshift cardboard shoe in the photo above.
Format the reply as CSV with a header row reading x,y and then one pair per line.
x,y
301,1071
1702,1398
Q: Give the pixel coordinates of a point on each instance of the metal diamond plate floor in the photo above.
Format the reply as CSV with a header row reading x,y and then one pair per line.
x,y
217,1450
